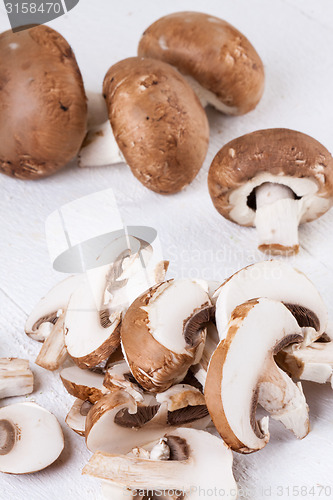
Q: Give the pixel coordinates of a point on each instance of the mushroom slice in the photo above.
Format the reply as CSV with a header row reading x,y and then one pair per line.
x,y
162,130
218,61
30,438
16,378
200,369
242,372
163,332
313,362
76,418
278,281
91,330
204,463
49,310
117,423
119,375
53,352
274,180
83,384
186,406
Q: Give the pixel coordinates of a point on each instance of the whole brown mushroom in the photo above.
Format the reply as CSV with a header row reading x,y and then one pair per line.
x,y
218,61
42,103
157,122
274,180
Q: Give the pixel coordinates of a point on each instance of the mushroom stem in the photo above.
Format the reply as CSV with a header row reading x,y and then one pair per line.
x,y
53,352
277,218
139,473
100,148
16,378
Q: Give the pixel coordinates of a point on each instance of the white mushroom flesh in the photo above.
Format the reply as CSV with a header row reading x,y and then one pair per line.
x,y
207,97
307,189
271,279
166,323
16,378
76,418
30,438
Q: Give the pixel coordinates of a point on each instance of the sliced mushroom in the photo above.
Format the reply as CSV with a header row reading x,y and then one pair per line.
x,y
198,462
30,438
117,423
43,104
76,418
83,384
274,180
200,369
16,378
161,131
218,61
44,317
186,406
91,330
313,362
278,281
53,352
242,372
163,332
119,375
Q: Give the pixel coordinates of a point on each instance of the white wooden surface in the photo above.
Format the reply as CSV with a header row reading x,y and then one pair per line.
x,y
295,41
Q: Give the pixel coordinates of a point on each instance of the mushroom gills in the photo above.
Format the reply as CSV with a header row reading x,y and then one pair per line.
x,y
278,214
313,362
16,378
99,148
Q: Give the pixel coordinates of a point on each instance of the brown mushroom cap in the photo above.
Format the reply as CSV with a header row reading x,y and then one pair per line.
x,y
278,152
42,103
212,52
158,122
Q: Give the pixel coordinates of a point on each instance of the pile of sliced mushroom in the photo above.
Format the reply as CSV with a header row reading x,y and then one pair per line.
x,y
155,380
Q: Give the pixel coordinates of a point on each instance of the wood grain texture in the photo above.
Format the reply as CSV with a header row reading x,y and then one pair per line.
x,y
294,39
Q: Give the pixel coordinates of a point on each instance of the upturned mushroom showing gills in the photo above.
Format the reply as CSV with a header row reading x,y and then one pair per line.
x,y
242,372
272,179
218,61
157,122
30,438
43,106
163,332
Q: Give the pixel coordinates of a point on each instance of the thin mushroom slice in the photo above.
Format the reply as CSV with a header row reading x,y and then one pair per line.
x,y
278,281
117,423
91,332
198,462
76,418
274,180
83,384
16,378
242,372
313,362
163,332
45,315
30,438
53,352
186,406
118,375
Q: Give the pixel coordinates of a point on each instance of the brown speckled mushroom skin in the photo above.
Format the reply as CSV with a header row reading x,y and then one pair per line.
x,y
43,110
277,151
158,123
211,51
154,366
